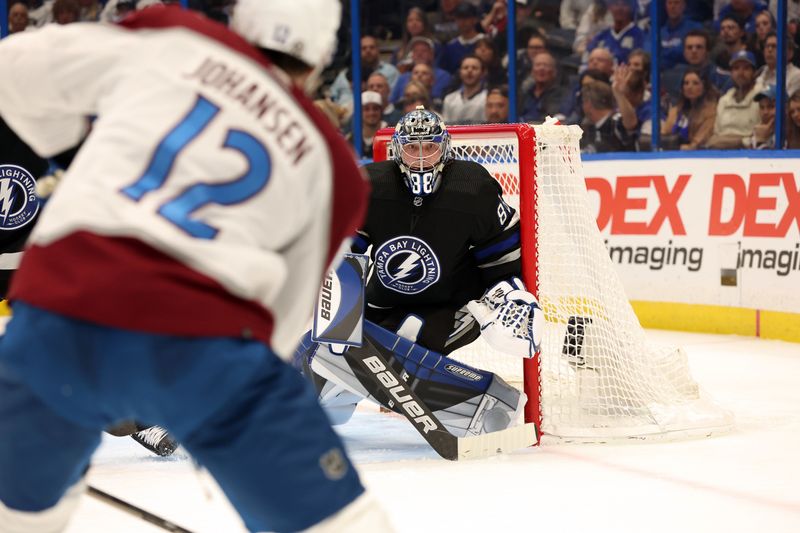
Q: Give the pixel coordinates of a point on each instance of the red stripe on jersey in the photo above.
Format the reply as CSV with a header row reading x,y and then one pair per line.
x,y
123,283
350,187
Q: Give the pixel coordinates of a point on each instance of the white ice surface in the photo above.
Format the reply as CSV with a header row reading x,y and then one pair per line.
x,y
744,481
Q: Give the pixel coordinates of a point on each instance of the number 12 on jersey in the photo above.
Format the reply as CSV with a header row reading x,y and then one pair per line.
x,y
179,209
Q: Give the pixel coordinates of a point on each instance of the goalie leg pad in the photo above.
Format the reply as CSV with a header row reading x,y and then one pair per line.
x,y
467,400
327,376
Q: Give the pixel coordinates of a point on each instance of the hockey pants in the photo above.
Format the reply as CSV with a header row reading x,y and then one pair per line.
x,y
249,418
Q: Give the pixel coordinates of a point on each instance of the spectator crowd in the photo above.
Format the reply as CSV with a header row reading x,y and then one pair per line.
x,y
585,62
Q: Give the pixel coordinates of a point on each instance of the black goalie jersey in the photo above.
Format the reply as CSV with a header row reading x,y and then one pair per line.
x,y
431,255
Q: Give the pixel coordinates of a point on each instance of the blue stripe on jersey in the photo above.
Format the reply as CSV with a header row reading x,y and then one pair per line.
x,y
507,244
360,244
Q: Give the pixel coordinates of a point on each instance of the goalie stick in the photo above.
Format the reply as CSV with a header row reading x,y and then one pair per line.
x,y
136,511
384,383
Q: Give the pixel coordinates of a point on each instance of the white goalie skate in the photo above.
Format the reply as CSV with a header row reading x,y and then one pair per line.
x,y
157,440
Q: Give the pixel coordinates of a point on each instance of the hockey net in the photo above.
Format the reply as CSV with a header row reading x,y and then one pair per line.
x,y
597,377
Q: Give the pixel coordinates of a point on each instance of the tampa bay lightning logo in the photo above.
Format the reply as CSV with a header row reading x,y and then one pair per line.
x,y
407,265
18,201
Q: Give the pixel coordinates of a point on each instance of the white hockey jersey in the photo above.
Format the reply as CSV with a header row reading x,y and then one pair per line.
x,y
209,196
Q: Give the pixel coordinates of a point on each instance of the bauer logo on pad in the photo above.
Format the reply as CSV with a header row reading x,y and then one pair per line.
x,y
339,314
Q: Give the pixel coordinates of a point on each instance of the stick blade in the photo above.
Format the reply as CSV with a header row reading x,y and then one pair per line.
x,y
497,442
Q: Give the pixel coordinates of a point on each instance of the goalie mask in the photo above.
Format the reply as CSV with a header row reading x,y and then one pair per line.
x,y
421,147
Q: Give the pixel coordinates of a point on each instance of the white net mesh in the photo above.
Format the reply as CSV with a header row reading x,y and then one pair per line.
x,y
600,378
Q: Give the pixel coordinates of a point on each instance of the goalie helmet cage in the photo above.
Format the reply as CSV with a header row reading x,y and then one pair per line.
x,y
596,378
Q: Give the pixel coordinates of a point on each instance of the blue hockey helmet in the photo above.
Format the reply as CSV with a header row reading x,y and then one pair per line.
x,y
421,147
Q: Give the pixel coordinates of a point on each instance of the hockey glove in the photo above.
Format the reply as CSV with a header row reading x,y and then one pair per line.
x,y
511,319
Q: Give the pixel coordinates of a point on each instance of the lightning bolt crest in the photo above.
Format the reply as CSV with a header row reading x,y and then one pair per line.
x,y
407,266
6,197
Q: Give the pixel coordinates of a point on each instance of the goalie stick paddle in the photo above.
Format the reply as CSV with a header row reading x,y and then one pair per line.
x,y
384,383
136,511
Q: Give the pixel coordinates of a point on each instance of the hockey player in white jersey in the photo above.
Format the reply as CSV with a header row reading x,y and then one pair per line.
x,y
175,267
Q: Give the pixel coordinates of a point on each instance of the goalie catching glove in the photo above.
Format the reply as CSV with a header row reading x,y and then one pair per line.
x,y
510,318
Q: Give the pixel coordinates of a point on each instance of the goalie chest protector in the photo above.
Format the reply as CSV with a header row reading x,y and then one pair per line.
x,y
423,248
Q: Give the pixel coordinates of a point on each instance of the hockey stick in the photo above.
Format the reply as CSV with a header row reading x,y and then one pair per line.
x,y
133,510
384,383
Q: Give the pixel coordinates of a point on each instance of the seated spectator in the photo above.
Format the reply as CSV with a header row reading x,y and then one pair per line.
x,y
793,122
639,61
627,88
743,10
594,20
423,73
467,105
536,45
371,121
463,44
767,75
486,50
691,119
571,110
66,11
763,137
674,31
544,98
18,19
623,36
696,54
755,42
497,105
737,111
416,26
571,11
601,64
115,10
632,87
341,91
603,130
602,60
415,94
422,50
377,83
731,40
